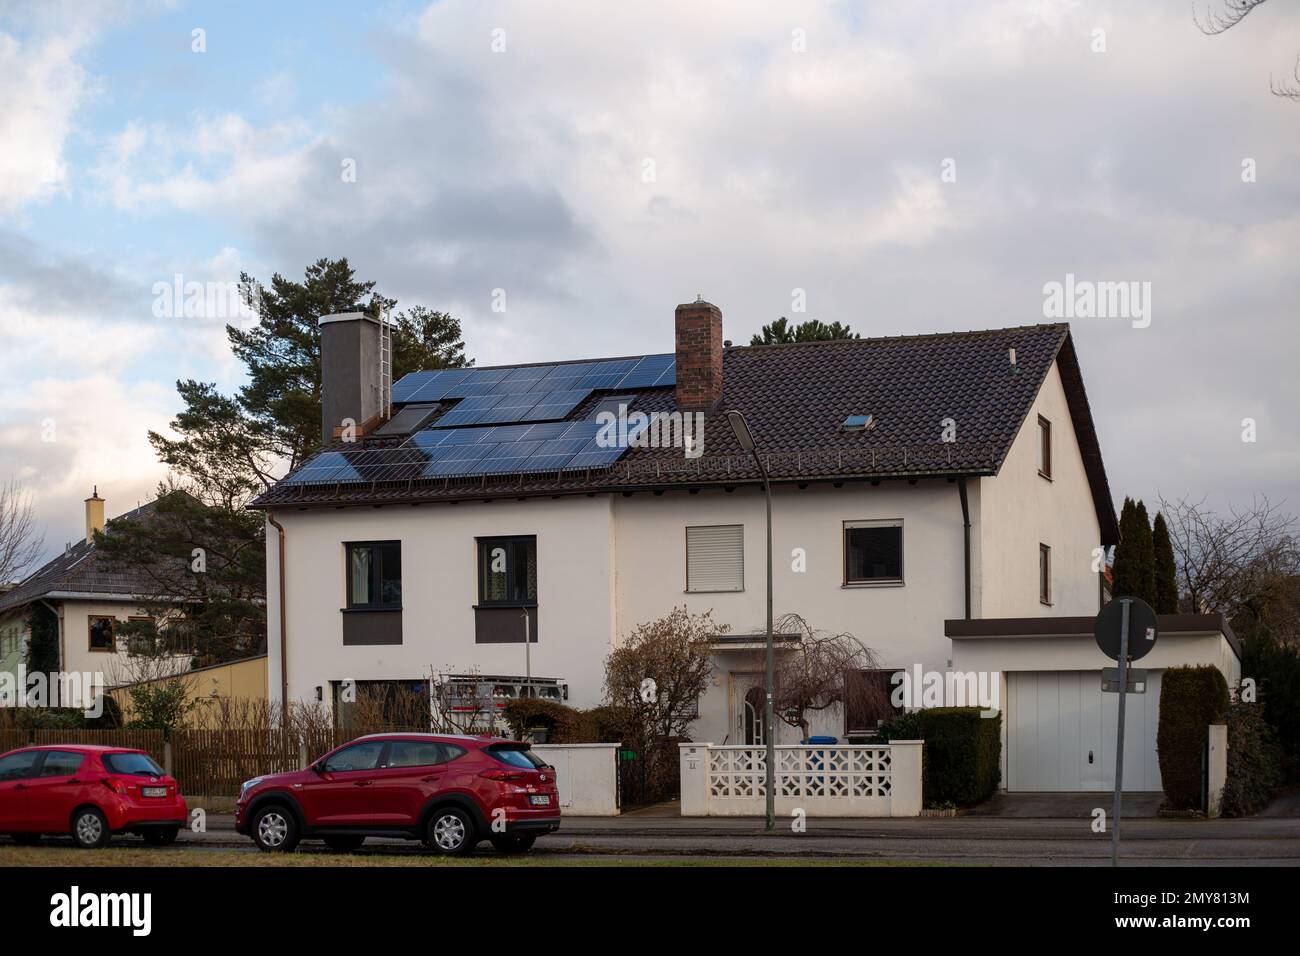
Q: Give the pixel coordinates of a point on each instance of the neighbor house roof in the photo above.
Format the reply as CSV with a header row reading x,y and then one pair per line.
x,y
796,398
80,572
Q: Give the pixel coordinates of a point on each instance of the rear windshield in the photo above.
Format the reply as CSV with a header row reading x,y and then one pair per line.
x,y
136,765
517,757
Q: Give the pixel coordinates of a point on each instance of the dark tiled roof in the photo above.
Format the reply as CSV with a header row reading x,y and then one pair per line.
x,y
795,398
79,570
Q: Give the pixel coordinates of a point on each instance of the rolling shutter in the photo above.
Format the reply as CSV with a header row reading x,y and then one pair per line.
x,y
715,558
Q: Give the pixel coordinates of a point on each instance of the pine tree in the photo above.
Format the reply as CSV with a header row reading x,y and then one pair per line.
x,y
1166,570
781,332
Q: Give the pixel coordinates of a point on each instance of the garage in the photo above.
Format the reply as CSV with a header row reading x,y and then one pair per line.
x,y
1061,733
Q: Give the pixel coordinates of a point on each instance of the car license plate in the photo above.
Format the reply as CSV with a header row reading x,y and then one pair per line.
x,y
540,800
154,791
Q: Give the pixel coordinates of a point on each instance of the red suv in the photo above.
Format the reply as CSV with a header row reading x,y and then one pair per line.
x,y
89,792
448,791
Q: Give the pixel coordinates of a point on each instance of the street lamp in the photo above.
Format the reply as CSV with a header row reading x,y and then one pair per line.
x,y
740,428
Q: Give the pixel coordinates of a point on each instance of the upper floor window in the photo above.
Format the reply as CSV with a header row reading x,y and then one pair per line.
x,y
873,552
508,571
375,575
1044,574
102,633
715,558
1044,447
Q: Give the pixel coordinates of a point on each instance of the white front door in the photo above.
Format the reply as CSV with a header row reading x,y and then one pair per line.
x,y
748,707
1061,733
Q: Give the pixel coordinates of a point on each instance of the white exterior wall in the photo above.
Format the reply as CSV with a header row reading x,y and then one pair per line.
x,y
1019,509
902,624
79,658
439,590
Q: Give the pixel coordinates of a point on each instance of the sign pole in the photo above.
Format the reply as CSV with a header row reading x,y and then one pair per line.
x,y
1119,746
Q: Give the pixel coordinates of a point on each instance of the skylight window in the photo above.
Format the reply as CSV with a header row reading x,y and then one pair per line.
x,y
858,423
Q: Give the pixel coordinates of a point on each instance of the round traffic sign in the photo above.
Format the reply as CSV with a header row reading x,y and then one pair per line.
x,y
1141,628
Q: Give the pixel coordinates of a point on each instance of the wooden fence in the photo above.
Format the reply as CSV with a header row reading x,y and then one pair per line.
x,y
210,763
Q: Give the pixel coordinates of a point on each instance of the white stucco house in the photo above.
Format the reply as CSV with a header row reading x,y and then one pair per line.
x,y
941,497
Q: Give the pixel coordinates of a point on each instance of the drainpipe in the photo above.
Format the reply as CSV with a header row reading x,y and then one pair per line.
x,y
284,643
965,522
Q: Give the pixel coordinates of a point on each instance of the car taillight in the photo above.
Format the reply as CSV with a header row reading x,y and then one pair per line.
x,y
502,774
117,786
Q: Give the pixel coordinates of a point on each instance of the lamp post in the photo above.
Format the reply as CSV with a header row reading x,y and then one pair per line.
x,y
746,439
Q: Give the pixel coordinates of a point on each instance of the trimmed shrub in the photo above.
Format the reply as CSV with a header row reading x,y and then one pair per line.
x,y
1276,670
563,725
962,754
1254,761
1191,698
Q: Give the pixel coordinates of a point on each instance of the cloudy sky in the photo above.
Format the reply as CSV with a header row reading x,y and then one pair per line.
x,y
912,167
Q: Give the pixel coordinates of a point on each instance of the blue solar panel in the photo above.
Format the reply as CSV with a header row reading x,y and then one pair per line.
x,y
554,455
432,385
556,405
325,468
509,408
508,457
593,456
523,379
461,459
647,372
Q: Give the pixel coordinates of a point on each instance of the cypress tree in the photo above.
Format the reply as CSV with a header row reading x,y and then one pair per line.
x,y
1123,572
1166,572
1146,561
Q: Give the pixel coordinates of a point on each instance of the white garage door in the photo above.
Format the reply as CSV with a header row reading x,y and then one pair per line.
x,y
1061,733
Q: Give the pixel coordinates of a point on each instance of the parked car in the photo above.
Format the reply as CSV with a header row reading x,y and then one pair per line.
x,y
88,792
451,792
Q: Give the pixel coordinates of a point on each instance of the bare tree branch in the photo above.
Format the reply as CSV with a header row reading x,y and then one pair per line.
x,y
20,543
1232,13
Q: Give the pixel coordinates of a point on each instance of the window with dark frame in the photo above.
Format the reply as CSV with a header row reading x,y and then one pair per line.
x,y
1044,447
102,634
507,571
1044,574
374,575
873,552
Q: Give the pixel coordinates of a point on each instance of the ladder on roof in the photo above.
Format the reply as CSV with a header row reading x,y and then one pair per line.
x,y
385,364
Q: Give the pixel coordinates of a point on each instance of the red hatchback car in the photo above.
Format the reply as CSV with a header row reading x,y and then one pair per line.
x,y
88,792
448,791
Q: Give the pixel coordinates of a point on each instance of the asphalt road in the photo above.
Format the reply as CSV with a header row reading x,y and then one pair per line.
x,y
969,840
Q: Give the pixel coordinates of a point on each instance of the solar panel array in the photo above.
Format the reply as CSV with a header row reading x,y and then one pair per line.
x,y
474,451
506,421
649,371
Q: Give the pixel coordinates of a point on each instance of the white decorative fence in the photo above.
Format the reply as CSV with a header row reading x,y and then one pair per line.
x,y
828,781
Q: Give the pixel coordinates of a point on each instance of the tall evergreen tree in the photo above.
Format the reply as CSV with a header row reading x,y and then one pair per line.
x,y
1146,581
1166,571
231,448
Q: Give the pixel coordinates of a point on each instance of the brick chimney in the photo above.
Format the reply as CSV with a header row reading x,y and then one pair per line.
x,y
699,356
94,514
349,373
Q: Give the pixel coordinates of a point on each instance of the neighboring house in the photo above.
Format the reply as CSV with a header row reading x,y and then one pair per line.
x,y
941,497
239,682
89,601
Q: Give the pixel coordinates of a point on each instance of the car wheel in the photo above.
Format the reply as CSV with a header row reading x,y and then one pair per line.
x,y
274,829
344,844
26,839
90,828
164,836
451,832
514,842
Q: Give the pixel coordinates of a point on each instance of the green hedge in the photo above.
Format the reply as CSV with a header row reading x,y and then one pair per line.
x,y
1191,698
962,754
1254,761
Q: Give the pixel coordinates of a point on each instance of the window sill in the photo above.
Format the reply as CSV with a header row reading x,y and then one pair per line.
x,y
714,591
1045,603
1044,475
890,583
505,606
366,609
102,650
